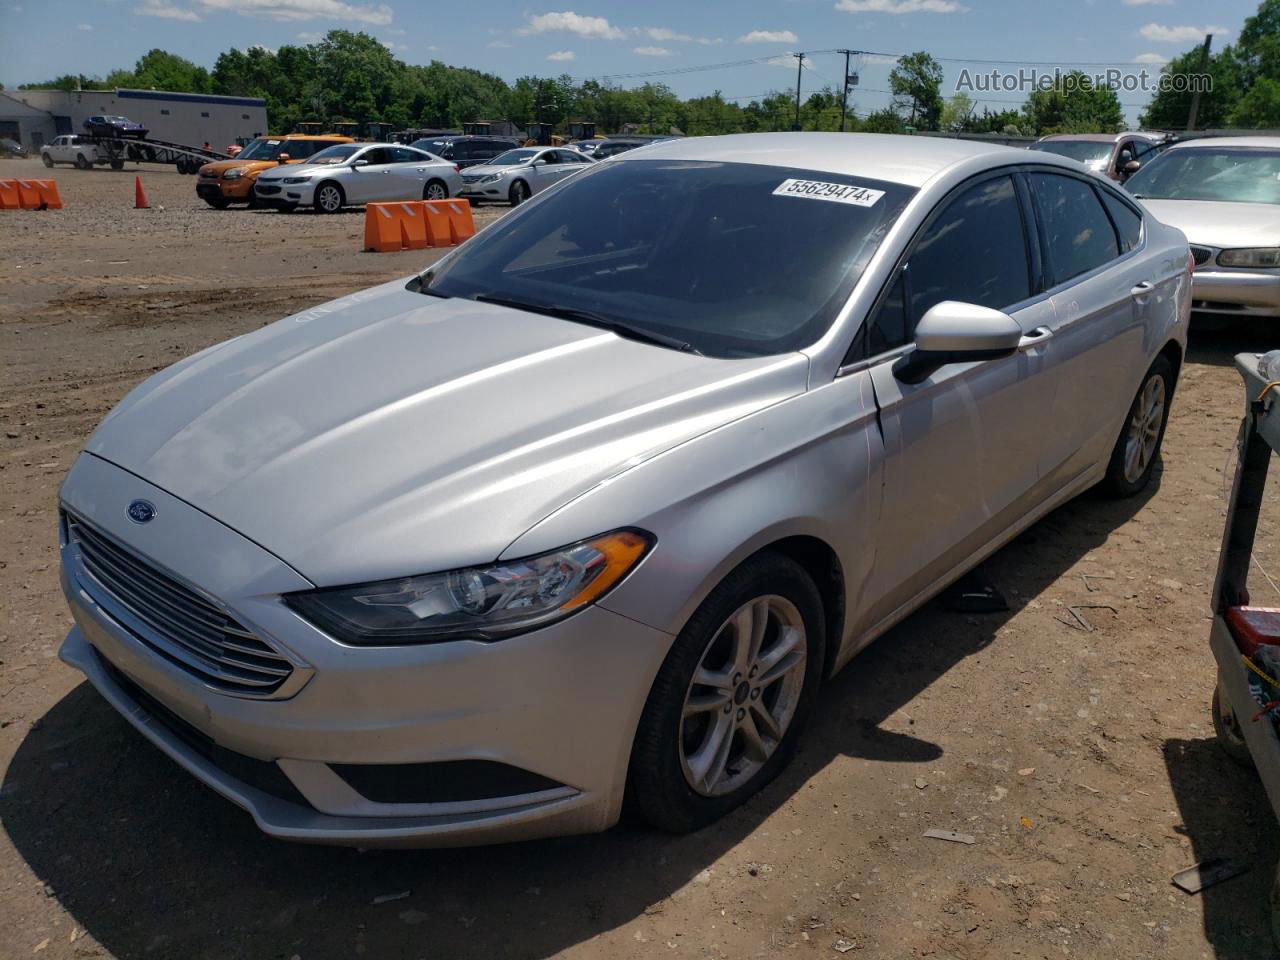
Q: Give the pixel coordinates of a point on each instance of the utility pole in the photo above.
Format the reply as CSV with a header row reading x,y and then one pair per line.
x,y
849,80
1195,95
799,72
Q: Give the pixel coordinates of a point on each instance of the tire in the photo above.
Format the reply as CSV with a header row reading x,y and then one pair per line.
x,y
82,162
1138,447
1227,729
435,190
46,160
518,193
675,781
217,204
117,164
329,198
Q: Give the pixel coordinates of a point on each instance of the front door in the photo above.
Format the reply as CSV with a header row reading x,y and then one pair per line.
x,y
962,446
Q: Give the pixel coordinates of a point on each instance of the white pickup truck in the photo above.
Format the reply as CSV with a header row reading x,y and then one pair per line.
x,y
69,148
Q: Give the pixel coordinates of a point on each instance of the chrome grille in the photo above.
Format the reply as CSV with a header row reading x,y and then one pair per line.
x,y
174,620
1201,254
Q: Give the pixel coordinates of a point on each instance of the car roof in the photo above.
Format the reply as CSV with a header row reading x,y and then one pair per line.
x,y
318,137
909,160
1272,142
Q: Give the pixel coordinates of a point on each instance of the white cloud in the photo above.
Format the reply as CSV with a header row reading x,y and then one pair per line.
x,y
879,58
311,36
86,27
709,42
390,45
652,51
589,28
1157,58
769,36
1147,3
1159,33
263,47
562,56
165,10
786,60
298,10
662,34
499,44
901,6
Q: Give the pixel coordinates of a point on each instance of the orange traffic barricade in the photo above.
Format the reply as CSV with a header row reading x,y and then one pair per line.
x,y
50,199
9,195
28,194
456,214
392,227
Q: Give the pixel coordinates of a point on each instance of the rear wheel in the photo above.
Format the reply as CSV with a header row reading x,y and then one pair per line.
x,y
435,190
519,193
1227,728
82,162
329,198
1134,456
117,164
46,159
731,697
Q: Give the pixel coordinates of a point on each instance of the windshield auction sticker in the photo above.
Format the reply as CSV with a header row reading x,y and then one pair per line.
x,y
835,192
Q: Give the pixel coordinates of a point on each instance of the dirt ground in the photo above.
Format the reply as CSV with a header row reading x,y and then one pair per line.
x,y
1082,762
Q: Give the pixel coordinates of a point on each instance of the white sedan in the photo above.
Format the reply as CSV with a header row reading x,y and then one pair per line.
x,y
355,173
518,174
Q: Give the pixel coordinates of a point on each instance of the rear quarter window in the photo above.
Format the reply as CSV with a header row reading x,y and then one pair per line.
x,y
1127,221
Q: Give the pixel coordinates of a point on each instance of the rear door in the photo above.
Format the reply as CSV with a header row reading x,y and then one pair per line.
x,y
410,172
1099,285
962,446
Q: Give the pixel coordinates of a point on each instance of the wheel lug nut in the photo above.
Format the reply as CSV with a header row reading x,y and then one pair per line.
x,y
737,679
754,671
728,708
755,694
741,713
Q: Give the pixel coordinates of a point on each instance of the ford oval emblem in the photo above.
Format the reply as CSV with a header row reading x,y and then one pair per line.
x,y
142,511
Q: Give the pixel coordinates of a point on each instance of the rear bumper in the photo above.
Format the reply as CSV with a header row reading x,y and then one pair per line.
x,y
1249,292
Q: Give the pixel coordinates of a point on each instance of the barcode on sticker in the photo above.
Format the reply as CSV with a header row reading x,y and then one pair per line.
x,y
835,192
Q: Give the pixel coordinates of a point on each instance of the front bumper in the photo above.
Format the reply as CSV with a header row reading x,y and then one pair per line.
x,y
484,191
239,190
560,703
1251,292
278,194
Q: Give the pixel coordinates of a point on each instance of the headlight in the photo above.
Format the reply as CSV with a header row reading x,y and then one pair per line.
x,y
235,173
1252,257
477,603
491,178
295,180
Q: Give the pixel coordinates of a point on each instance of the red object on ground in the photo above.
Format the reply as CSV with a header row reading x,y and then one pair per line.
x,y
139,195
1254,627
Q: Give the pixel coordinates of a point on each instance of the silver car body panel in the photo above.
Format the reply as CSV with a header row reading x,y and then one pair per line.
x,y
372,183
389,434
541,172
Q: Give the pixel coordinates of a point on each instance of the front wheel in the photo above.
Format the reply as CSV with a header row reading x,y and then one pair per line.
x,y
731,697
329,198
46,159
82,162
1226,727
1134,456
519,193
435,190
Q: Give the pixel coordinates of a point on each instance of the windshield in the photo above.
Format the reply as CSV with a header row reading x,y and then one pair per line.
x,y
734,259
1092,153
260,150
511,157
1234,174
339,154
431,146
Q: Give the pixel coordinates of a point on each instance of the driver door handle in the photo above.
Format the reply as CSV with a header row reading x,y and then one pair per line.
x,y
1035,338
1141,291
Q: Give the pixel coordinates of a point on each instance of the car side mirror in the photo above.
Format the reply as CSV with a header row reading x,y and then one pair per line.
x,y
360,163
955,332
1132,167
283,158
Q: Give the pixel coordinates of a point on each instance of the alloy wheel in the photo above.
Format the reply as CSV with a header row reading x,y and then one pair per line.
x,y
743,695
436,191
1143,435
330,200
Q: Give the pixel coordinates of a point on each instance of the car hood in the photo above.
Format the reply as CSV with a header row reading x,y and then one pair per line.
x,y
304,170
391,433
484,169
219,167
1219,224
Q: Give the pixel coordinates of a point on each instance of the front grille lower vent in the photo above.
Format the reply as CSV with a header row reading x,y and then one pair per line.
x,y
1201,254
174,620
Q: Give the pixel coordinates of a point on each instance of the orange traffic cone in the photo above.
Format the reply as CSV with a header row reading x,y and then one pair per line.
x,y
139,195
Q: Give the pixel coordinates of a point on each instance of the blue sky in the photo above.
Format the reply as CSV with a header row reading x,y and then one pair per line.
x,y
596,38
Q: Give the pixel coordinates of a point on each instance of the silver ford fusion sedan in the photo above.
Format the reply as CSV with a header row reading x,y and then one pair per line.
x,y
588,511
355,173
1224,193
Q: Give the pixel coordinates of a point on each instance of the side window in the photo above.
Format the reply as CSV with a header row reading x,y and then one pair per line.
x,y
974,252
1128,222
405,155
1125,154
460,150
1146,151
298,149
376,156
1078,236
888,329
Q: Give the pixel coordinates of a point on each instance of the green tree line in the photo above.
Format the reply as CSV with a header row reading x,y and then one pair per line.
x,y
353,77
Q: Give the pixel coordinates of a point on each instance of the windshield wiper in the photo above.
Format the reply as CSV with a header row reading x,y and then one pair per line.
x,y
620,327
422,284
